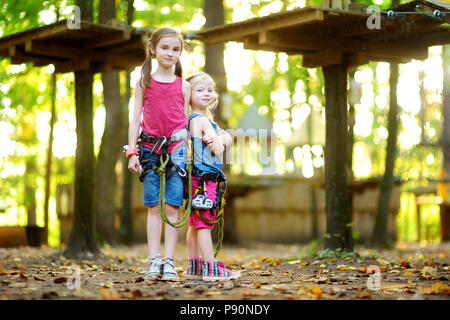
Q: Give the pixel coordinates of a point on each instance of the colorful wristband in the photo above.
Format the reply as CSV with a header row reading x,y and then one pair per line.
x,y
131,152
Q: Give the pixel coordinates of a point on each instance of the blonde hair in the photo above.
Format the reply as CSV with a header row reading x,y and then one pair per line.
x,y
199,76
157,35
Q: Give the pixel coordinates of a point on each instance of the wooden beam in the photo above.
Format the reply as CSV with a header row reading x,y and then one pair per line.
x,y
72,66
109,39
61,51
254,26
124,61
251,43
354,59
298,41
18,55
137,42
373,57
11,50
357,29
322,59
396,51
34,34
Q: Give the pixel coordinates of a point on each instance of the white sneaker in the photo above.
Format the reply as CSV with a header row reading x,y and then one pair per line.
x,y
154,267
168,270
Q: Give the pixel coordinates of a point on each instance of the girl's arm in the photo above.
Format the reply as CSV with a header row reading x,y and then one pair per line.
x,y
133,131
226,137
200,127
217,145
187,97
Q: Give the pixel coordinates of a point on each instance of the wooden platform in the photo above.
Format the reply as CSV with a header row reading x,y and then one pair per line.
x,y
94,46
326,36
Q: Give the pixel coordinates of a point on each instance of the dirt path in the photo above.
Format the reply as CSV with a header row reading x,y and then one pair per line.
x,y
269,272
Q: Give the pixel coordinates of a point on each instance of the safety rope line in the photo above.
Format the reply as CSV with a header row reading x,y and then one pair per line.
x,y
391,14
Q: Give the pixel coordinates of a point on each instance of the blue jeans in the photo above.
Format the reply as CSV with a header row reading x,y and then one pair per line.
x,y
174,185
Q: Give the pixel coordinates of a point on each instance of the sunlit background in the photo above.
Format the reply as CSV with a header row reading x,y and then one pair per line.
x,y
296,97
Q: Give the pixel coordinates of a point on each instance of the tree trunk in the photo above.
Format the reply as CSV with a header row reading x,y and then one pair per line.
x,y
387,183
336,191
30,190
214,66
350,143
214,53
312,188
82,243
126,222
110,147
49,159
444,142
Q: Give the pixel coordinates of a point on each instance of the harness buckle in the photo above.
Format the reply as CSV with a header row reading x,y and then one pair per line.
x,y
182,172
160,143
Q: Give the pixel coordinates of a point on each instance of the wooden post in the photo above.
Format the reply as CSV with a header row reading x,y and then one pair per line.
x,y
418,220
49,158
336,191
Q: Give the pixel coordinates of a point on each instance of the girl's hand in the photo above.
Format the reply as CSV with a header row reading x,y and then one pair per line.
x,y
133,164
207,138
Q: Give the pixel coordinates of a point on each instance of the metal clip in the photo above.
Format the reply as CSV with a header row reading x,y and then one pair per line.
x,y
159,144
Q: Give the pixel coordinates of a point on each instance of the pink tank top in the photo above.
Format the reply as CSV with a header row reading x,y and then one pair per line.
x,y
163,110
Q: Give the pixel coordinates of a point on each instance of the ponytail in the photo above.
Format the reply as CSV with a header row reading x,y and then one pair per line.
x,y
146,72
178,69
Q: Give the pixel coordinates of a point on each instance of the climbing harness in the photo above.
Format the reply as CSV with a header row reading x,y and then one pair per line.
x,y
165,167
201,201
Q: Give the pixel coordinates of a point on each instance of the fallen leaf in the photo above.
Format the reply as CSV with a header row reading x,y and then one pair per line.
x,y
362,269
436,288
363,294
60,280
343,267
3,272
213,293
405,264
315,291
429,273
257,285
109,294
383,262
431,263
49,295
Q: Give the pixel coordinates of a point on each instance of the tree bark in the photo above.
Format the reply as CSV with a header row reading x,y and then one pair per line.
x,y
387,183
82,243
126,221
214,53
110,146
444,142
49,159
213,10
336,191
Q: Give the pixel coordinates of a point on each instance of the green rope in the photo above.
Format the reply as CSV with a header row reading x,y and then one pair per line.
x,y
161,171
220,236
162,194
